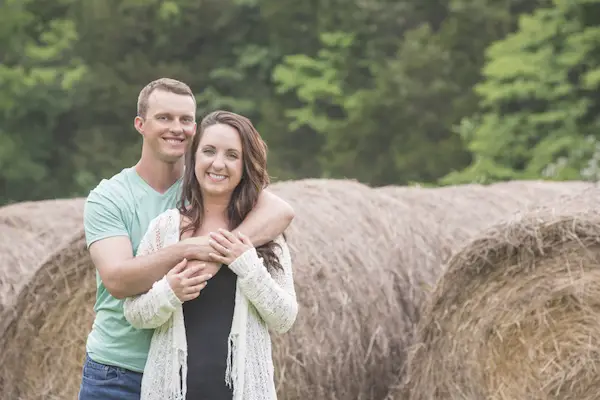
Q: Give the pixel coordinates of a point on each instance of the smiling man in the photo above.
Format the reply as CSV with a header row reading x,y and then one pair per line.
x,y
117,214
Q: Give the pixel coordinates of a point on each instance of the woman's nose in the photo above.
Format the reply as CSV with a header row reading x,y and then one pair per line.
x,y
218,162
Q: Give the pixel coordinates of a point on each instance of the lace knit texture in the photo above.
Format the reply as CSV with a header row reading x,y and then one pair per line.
x,y
265,300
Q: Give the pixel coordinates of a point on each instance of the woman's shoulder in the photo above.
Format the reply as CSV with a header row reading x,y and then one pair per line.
x,y
166,219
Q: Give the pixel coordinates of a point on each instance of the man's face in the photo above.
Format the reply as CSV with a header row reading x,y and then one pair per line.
x,y
169,125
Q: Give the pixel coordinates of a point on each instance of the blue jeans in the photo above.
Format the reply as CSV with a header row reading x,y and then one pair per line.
x,y
105,382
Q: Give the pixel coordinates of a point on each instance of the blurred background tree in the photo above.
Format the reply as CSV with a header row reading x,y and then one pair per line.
x,y
383,91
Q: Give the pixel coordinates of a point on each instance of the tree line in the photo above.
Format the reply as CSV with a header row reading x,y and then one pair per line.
x,y
383,91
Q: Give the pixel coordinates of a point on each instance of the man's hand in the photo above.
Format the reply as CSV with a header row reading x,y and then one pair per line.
x,y
197,248
197,252
184,284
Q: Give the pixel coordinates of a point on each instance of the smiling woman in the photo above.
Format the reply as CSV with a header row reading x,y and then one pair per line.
x,y
226,161
219,160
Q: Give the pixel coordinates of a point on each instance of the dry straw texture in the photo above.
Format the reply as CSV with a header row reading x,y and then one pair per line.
x,y
43,349
356,309
459,212
517,315
437,221
363,262
29,232
356,314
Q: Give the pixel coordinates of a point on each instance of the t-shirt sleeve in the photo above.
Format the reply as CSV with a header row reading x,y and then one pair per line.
x,y
102,218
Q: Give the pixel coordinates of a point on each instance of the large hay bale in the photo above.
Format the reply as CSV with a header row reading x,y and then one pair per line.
x,y
452,215
356,313
517,314
55,313
462,211
355,282
29,232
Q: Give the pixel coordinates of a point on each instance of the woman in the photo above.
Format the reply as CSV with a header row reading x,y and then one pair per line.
x,y
211,338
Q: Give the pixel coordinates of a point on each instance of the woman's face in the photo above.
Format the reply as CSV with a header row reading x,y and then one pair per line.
x,y
219,164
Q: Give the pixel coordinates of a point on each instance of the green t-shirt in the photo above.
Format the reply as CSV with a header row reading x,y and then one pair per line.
x,y
121,206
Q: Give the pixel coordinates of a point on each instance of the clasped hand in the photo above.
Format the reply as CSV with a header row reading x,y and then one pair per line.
x,y
189,277
228,246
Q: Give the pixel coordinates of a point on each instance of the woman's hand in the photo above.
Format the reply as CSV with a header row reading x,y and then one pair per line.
x,y
228,246
184,283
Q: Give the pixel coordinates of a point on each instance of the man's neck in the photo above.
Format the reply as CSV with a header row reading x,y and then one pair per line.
x,y
160,176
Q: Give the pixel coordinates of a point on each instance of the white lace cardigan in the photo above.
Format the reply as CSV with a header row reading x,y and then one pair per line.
x,y
264,299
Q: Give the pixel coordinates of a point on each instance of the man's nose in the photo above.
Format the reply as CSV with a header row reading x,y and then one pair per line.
x,y
176,127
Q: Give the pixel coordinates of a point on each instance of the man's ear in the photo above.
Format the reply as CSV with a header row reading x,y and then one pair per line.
x,y
138,123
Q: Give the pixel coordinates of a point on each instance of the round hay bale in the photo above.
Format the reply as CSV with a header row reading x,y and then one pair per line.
x,y
28,233
462,211
356,285
517,314
353,281
55,313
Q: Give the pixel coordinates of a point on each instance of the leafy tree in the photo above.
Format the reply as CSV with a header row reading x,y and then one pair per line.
x,y
539,100
365,89
38,74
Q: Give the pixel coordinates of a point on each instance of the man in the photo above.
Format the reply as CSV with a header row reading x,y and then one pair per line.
x,y
116,217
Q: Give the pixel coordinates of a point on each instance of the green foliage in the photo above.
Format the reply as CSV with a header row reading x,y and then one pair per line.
x,y
366,89
39,76
316,81
539,99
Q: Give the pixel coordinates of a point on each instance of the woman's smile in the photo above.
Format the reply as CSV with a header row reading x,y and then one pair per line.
x,y
216,177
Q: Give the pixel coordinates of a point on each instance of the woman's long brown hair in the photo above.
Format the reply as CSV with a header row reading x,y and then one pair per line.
x,y
245,196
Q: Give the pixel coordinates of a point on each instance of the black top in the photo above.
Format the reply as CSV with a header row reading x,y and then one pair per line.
x,y
208,321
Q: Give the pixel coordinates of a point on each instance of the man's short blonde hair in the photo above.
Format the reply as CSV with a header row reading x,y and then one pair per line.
x,y
165,84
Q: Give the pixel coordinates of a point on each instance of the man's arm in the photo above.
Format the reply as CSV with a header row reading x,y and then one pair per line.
x,y
111,250
124,275
268,219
